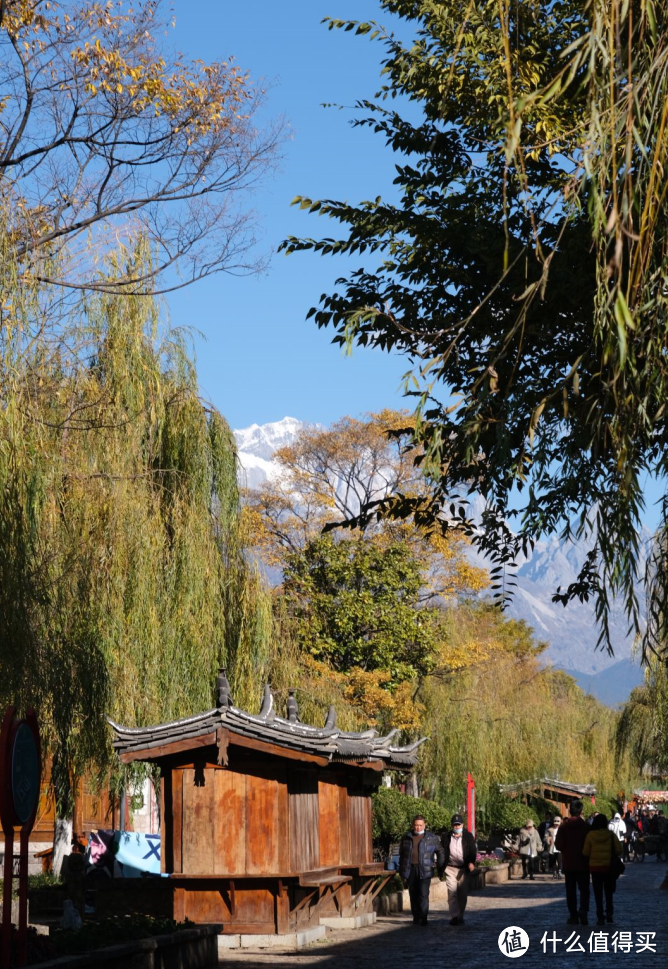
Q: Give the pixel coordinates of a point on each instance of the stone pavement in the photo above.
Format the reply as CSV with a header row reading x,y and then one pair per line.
x,y
538,907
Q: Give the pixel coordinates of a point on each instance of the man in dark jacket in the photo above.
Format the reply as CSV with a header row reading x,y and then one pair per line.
x,y
460,854
416,866
570,841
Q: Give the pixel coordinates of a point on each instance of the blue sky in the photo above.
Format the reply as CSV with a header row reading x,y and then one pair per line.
x,y
258,358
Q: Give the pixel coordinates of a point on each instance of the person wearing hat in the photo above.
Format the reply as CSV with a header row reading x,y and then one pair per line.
x,y
530,848
553,856
460,854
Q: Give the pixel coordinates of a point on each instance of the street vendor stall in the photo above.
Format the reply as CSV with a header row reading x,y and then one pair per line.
x,y
266,821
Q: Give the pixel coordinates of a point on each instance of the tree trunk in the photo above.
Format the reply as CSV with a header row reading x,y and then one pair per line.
x,y
412,786
62,843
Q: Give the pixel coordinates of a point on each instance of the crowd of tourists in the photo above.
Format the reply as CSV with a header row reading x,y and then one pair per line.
x,y
586,853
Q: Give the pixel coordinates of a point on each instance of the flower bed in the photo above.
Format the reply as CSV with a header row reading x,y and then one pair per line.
x,y
496,874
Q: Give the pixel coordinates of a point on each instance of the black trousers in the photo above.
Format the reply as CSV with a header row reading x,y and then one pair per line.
x,y
418,892
603,884
577,880
528,865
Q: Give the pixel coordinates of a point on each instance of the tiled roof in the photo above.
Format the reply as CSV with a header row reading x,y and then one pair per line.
x,y
588,790
327,742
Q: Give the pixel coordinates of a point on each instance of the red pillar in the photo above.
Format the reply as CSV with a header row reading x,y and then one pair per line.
x,y
470,804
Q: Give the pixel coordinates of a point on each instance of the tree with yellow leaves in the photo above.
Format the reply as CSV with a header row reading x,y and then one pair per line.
x,y
367,609
105,137
327,474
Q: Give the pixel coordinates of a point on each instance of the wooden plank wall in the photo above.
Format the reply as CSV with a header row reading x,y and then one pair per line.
x,y
329,821
359,812
265,818
304,824
227,822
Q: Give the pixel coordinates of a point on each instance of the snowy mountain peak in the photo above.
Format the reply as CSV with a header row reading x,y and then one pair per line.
x,y
262,440
256,447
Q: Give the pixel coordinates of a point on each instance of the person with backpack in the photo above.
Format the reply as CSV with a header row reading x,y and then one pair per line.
x,y
602,848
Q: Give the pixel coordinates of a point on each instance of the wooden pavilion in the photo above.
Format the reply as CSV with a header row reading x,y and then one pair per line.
x,y
265,821
559,793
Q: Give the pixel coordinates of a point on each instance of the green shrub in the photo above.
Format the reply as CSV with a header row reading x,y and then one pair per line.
x,y
393,814
605,805
508,815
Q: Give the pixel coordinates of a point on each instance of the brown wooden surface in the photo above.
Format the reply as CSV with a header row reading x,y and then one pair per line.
x,y
166,822
304,825
275,750
282,907
264,826
325,880
359,812
229,826
166,750
197,825
344,825
330,837
177,819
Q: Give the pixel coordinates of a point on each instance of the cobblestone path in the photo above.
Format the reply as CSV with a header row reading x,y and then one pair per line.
x,y
538,907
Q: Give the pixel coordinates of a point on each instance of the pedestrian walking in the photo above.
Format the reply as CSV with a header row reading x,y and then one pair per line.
x,y
550,849
530,848
416,866
630,836
569,841
542,832
460,853
618,827
602,847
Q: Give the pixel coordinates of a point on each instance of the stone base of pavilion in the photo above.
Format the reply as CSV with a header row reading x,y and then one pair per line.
x,y
296,940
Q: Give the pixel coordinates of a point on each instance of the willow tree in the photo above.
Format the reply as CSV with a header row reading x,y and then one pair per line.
x,y
123,580
510,718
642,731
523,271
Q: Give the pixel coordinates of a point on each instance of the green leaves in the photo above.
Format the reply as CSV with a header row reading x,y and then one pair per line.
x,y
357,602
523,270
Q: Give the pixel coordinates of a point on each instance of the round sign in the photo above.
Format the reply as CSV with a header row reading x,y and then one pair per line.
x,y
25,773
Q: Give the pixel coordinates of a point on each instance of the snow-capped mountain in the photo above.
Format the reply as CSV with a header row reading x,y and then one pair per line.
x,y
570,632
256,446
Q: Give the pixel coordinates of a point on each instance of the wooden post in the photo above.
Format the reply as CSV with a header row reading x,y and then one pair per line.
x,y
470,804
7,899
20,774
23,898
8,830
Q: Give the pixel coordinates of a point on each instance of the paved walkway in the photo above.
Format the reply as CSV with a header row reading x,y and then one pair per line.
x,y
538,907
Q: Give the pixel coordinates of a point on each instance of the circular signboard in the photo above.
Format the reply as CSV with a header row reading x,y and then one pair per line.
x,y
25,775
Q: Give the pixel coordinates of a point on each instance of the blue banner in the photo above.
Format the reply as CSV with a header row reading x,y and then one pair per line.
x,y
123,854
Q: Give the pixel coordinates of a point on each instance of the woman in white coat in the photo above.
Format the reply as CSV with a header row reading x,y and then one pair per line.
x,y
530,848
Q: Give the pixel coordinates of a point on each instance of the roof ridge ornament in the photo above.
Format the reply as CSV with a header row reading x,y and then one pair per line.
x,y
223,698
293,707
330,722
267,711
